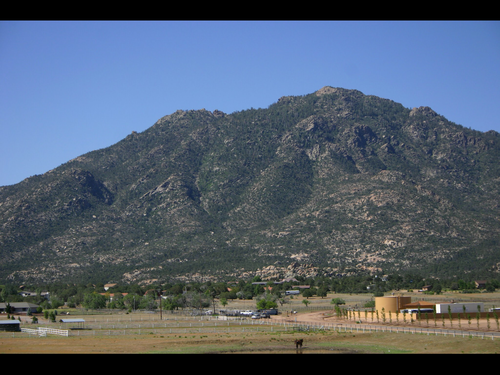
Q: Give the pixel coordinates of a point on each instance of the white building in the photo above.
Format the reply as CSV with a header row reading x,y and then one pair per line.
x,y
45,295
470,307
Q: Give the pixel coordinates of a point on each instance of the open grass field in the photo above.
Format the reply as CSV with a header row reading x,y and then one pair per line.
x,y
262,342
178,334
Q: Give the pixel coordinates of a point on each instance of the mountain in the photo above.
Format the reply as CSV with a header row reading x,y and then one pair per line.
x,y
334,182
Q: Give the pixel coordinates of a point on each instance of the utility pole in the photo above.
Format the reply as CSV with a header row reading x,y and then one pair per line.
x,y
159,295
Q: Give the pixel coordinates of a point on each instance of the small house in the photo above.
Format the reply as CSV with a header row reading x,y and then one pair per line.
x,y
480,284
18,307
107,286
112,295
10,325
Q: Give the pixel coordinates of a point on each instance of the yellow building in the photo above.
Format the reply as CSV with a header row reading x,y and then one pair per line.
x,y
391,303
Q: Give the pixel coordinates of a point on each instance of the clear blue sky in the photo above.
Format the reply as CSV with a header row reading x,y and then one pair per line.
x,y
70,87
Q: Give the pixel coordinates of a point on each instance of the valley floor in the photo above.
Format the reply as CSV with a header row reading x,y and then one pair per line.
x,y
177,334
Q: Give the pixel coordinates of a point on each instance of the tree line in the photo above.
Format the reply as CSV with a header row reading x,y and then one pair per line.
x,y
179,295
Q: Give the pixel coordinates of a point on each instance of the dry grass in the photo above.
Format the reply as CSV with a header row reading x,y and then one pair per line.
x,y
261,342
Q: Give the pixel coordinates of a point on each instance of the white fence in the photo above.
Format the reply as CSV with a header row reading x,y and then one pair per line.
x,y
131,326
361,328
33,332
43,331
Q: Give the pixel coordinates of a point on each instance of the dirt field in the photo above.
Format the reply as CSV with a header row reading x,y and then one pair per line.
x,y
271,341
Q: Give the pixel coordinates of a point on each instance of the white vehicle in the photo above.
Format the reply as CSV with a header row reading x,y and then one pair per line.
x,y
247,313
416,311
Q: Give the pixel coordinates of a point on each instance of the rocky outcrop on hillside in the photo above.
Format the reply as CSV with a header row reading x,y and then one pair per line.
x,y
330,183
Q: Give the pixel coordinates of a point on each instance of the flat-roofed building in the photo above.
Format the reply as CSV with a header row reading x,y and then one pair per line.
x,y
10,325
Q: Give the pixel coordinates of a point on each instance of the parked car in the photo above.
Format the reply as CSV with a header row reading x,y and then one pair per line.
x,y
256,316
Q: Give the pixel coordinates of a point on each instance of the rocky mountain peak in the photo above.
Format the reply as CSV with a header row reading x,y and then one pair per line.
x,y
425,111
326,90
316,184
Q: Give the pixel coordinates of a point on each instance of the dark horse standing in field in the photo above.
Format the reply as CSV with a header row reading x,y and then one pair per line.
x,y
298,343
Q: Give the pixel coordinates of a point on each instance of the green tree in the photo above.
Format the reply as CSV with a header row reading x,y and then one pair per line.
x,y
322,291
171,303
307,293
228,295
118,302
8,293
148,302
258,289
337,301
94,301
267,301
266,304
197,300
56,302
131,301
437,288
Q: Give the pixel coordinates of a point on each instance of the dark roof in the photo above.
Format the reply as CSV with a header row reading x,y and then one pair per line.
x,y
18,305
72,320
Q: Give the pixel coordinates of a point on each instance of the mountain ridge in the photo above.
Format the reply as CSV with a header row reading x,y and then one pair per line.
x,y
336,179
